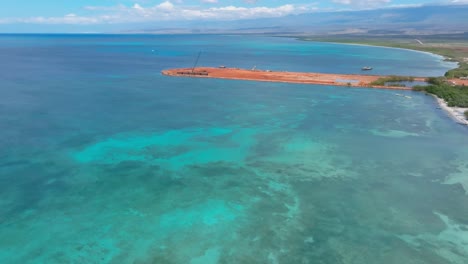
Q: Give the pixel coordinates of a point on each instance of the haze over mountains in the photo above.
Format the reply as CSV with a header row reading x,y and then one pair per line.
x,y
405,20
424,19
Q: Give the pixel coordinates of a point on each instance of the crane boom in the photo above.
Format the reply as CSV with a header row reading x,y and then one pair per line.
x,y
196,61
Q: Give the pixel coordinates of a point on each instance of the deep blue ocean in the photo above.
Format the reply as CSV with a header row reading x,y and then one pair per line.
x,y
105,160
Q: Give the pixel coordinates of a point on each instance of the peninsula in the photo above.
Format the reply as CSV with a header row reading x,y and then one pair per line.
x,y
457,109
349,80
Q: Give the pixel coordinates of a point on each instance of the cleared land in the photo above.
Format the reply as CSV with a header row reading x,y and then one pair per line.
x,y
350,80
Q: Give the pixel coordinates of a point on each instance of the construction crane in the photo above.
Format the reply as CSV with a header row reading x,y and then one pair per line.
x,y
196,61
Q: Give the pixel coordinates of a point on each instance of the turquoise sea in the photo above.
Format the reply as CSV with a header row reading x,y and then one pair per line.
x,y
104,160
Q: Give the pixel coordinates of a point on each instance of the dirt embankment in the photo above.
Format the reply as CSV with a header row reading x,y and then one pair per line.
x,y
350,80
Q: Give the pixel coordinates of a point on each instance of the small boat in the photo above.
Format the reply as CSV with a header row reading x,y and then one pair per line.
x,y
366,68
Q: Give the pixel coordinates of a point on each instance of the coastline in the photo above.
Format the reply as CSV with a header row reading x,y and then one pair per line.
x,y
346,80
442,57
449,58
455,113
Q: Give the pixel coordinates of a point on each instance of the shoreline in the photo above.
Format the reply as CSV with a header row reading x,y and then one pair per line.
x,y
455,113
370,45
452,58
346,80
442,58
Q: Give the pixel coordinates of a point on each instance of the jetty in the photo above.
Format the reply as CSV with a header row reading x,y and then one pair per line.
x,y
254,74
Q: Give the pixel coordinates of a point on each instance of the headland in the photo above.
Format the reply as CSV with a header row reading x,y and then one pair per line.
x,y
349,80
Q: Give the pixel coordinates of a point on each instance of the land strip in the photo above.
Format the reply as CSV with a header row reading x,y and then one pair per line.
x,y
349,80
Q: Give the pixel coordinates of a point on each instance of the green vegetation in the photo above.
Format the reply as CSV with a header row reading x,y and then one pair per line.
x,y
461,71
392,79
466,114
436,80
453,95
454,47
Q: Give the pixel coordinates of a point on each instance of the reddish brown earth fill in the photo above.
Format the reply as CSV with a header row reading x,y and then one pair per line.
x,y
353,80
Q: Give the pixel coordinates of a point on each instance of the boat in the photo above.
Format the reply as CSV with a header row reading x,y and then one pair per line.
x,y
366,68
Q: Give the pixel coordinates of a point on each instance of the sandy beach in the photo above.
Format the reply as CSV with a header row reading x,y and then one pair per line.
x,y
349,80
456,113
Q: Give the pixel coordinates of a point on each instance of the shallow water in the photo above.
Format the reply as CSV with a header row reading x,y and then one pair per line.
x,y
104,160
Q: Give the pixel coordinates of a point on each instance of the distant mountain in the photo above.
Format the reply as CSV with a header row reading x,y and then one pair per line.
x,y
405,20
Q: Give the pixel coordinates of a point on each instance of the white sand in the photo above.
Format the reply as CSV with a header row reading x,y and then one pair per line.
x,y
456,113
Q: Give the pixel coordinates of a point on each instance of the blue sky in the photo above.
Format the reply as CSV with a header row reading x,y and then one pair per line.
x,y
89,12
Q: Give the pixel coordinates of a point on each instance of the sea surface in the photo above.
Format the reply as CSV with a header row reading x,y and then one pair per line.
x,y
104,160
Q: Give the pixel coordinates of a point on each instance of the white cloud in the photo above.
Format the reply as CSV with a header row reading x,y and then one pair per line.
x,y
362,3
67,19
165,6
137,7
119,7
210,1
244,12
405,5
165,11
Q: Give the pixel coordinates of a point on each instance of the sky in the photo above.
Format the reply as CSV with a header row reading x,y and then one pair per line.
x,y
108,12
